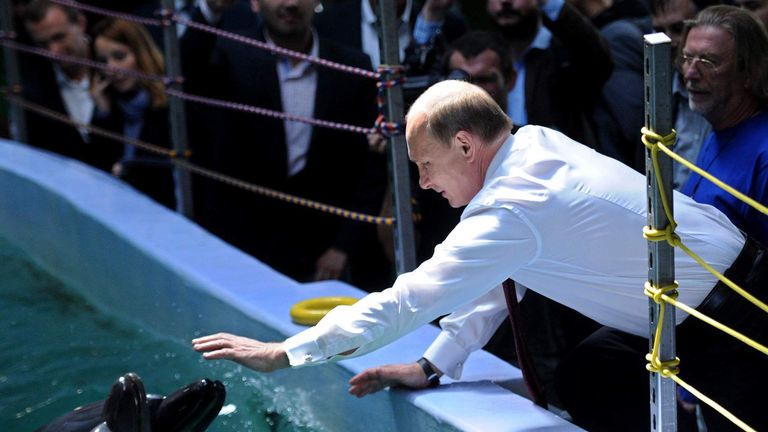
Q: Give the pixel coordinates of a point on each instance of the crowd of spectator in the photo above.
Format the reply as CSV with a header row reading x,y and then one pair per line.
x,y
571,65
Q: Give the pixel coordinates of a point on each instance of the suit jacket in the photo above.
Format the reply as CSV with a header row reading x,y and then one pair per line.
x,y
150,173
563,82
620,112
339,170
341,22
40,87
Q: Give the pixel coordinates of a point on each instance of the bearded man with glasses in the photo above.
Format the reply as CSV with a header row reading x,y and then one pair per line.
x,y
724,62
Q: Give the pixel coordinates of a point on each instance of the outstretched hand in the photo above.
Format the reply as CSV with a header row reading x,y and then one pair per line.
x,y
377,378
261,356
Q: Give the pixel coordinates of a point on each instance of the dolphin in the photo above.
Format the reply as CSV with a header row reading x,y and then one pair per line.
x,y
128,408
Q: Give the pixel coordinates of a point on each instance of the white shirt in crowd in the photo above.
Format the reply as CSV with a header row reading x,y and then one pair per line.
x,y
370,32
553,215
298,85
77,99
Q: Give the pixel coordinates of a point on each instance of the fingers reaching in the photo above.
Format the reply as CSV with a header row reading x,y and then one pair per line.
x,y
375,379
261,356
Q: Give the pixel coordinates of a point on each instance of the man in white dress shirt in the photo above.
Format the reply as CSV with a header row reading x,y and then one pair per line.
x,y
562,220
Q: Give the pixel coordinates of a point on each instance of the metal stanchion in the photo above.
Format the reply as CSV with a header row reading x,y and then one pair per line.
x,y
661,255
177,114
17,123
405,251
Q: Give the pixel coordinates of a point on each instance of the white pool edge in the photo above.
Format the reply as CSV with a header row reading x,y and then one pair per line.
x,y
153,265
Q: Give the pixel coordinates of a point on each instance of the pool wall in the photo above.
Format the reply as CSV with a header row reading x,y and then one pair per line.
x,y
137,260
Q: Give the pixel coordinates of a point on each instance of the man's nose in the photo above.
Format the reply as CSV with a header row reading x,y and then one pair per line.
x,y
56,47
691,72
424,182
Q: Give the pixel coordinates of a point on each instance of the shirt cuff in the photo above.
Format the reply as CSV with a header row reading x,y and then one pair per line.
x,y
424,30
447,355
552,8
302,349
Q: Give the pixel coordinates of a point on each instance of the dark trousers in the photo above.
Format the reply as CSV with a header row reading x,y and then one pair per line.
x,y
604,386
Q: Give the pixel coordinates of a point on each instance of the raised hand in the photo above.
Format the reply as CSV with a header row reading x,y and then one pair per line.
x,y
99,84
378,378
260,356
330,265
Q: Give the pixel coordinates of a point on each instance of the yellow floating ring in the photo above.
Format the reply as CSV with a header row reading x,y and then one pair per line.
x,y
311,311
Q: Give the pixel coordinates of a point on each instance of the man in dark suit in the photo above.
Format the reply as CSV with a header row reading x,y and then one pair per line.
x,y
60,86
562,62
326,165
423,33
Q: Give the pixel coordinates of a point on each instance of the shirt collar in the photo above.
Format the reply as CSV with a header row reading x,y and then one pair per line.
x,y
63,81
369,16
303,65
499,157
678,87
542,40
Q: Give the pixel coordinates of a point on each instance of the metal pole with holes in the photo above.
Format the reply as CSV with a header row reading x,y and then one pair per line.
x,y
17,123
405,251
177,114
661,272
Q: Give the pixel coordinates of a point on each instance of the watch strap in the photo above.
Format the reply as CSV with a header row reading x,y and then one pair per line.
x,y
432,377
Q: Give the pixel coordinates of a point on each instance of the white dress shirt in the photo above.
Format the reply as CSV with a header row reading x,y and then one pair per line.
x,y
370,31
77,99
298,85
553,215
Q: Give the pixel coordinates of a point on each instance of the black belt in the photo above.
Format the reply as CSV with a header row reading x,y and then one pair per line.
x,y
751,258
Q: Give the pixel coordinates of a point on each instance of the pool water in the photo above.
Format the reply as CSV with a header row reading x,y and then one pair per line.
x,y
58,352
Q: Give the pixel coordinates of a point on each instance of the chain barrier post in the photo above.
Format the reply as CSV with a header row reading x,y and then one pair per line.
x,y
17,123
177,113
661,273
405,251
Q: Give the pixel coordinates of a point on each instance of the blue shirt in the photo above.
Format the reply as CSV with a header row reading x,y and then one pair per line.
x,y
739,157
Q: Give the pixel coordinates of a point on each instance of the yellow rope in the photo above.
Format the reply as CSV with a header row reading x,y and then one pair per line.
x,y
752,299
669,368
722,327
721,184
716,406
655,365
653,141
649,135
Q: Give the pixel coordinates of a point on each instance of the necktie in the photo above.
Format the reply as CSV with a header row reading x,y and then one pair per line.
x,y
521,348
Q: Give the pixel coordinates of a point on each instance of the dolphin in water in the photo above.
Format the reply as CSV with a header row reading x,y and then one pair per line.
x,y
128,408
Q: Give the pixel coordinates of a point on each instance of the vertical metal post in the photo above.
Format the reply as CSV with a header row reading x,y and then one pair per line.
x,y
405,251
661,271
17,124
177,116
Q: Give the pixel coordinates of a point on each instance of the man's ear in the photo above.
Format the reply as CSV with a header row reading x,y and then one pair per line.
x,y
464,142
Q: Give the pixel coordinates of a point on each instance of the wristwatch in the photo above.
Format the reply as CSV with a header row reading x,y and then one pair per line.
x,y
432,377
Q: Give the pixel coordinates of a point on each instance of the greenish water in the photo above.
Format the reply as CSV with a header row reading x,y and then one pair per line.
x,y
58,352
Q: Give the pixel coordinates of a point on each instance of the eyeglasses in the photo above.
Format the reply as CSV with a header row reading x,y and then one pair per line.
x,y
707,65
